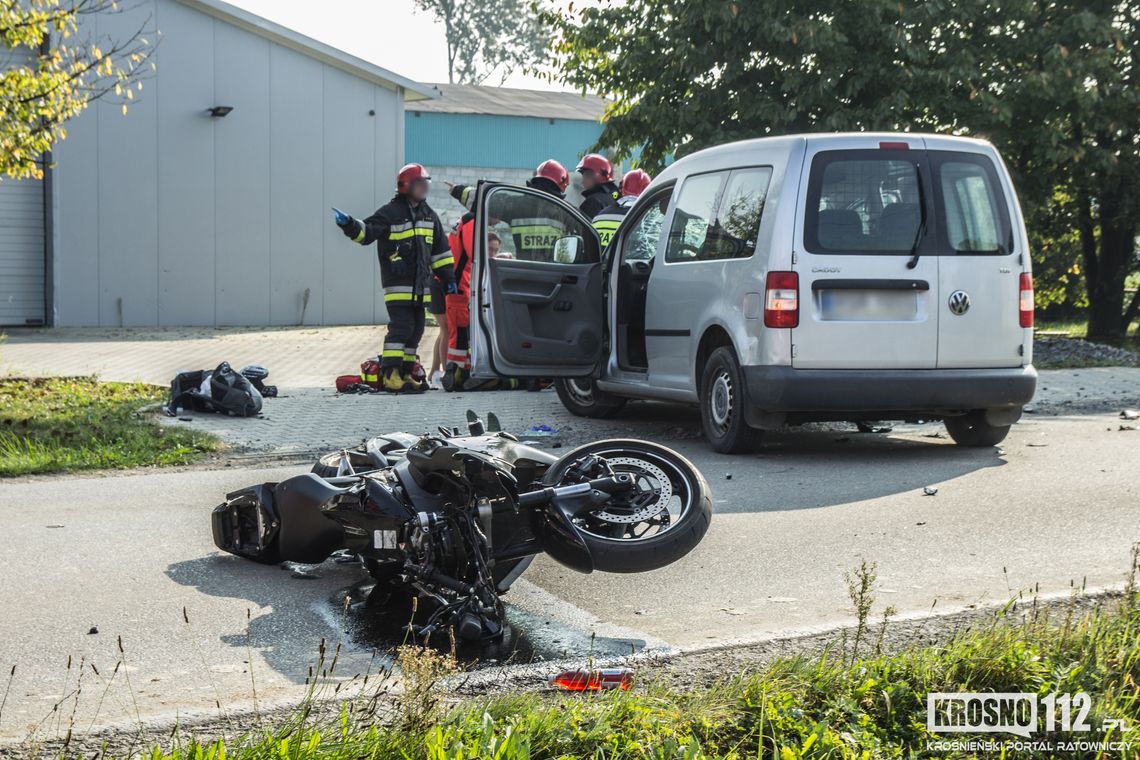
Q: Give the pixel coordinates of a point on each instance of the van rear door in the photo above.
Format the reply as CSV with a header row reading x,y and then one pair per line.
x,y
868,279
979,271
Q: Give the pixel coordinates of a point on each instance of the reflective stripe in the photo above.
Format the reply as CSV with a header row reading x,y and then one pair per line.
x,y
360,235
465,196
443,261
398,289
606,226
398,297
390,353
392,346
426,233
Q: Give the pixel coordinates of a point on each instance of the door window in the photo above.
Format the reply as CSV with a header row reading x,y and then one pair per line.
x,y
688,236
740,212
540,229
640,243
862,203
970,204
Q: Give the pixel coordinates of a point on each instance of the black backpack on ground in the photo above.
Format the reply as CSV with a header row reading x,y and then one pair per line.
x,y
222,390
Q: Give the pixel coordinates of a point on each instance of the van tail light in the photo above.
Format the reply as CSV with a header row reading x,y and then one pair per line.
x,y
1025,300
782,299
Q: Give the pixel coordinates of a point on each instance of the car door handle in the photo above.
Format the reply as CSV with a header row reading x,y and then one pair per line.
x,y
535,298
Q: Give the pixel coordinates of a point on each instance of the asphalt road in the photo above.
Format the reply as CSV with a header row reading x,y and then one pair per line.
x,y
88,560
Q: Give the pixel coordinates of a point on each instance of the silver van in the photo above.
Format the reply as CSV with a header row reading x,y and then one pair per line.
x,y
776,281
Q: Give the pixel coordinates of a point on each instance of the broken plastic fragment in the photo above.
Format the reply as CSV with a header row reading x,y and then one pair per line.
x,y
593,680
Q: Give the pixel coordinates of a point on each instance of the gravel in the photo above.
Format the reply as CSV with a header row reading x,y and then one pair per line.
x,y
1074,352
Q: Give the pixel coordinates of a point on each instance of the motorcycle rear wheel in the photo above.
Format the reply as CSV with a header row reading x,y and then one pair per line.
x,y
672,507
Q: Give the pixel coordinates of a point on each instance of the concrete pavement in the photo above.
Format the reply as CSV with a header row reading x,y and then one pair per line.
x,y
125,554
310,416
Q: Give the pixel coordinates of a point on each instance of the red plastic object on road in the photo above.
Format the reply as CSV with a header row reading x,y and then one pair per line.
x,y
593,680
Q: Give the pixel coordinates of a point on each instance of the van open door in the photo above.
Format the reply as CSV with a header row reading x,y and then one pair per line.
x,y
537,307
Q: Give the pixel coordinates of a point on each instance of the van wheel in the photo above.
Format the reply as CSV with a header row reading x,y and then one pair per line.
x,y
723,397
582,397
973,430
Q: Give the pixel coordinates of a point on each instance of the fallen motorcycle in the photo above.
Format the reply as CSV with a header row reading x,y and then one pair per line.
x,y
456,519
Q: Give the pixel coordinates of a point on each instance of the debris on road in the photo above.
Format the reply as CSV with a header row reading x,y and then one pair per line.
x,y
541,430
1129,414
92,631
593,680
929,490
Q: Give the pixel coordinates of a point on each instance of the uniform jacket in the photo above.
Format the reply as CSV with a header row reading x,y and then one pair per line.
x,y
412,246
597,198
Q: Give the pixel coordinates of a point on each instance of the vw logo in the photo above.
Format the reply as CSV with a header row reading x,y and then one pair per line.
x,y
959,302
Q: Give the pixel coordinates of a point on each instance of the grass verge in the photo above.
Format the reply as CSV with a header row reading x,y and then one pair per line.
x,y
61,424
847,703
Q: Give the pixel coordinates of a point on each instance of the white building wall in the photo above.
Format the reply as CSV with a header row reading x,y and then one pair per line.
x,y
168,216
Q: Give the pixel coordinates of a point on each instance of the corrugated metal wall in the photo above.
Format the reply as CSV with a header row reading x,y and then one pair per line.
x,y
510,142
171,217
21,238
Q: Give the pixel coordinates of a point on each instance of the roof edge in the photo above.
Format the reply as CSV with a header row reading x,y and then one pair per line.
x,y
316,49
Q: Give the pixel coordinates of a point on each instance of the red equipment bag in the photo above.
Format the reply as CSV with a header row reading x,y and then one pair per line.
x,y
370,372
346,382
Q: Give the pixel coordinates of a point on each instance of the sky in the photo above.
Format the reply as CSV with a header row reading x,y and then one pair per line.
x,y
389,33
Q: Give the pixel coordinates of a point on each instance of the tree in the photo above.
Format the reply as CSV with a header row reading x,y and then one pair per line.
x,y
1050,82
1054,84
49,74
485,37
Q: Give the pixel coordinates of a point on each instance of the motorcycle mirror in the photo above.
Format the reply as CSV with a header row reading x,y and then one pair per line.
x,y
474,424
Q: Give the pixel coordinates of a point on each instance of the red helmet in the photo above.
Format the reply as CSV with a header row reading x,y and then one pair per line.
x,y
598,164
409,174
635,182
555,172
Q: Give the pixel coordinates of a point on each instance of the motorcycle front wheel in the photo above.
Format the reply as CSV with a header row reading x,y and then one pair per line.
x,y
659,521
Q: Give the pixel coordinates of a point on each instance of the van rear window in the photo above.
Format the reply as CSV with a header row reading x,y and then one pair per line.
x,y
871,201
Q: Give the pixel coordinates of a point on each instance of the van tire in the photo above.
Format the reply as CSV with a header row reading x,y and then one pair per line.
x,y
582,398
724,398
972,430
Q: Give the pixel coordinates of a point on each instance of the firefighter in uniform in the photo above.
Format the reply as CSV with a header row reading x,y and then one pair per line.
x,y
413,248
533,230
606,223
598,188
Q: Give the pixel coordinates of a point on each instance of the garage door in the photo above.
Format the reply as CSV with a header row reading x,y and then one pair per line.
x,y
21,241
21,252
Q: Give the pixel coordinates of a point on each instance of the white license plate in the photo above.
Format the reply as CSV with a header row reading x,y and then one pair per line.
x,y
868,305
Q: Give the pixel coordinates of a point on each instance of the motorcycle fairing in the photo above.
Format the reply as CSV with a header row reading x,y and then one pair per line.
x,y
306,535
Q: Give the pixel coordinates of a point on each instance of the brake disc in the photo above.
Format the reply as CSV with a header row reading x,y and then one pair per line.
x,y
643,504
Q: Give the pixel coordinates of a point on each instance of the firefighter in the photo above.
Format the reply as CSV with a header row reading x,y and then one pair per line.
x,y
598,188
534,231
606,223
413,248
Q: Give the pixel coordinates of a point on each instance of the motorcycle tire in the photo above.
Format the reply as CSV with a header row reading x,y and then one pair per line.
x,y
635,555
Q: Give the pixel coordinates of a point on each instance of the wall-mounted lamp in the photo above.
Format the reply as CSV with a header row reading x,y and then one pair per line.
x,y
219,112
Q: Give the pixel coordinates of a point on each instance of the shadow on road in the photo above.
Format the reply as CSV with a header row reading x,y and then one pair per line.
x,y
288,636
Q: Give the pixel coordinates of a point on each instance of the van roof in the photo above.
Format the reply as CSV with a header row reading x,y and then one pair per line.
x,y
741,152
